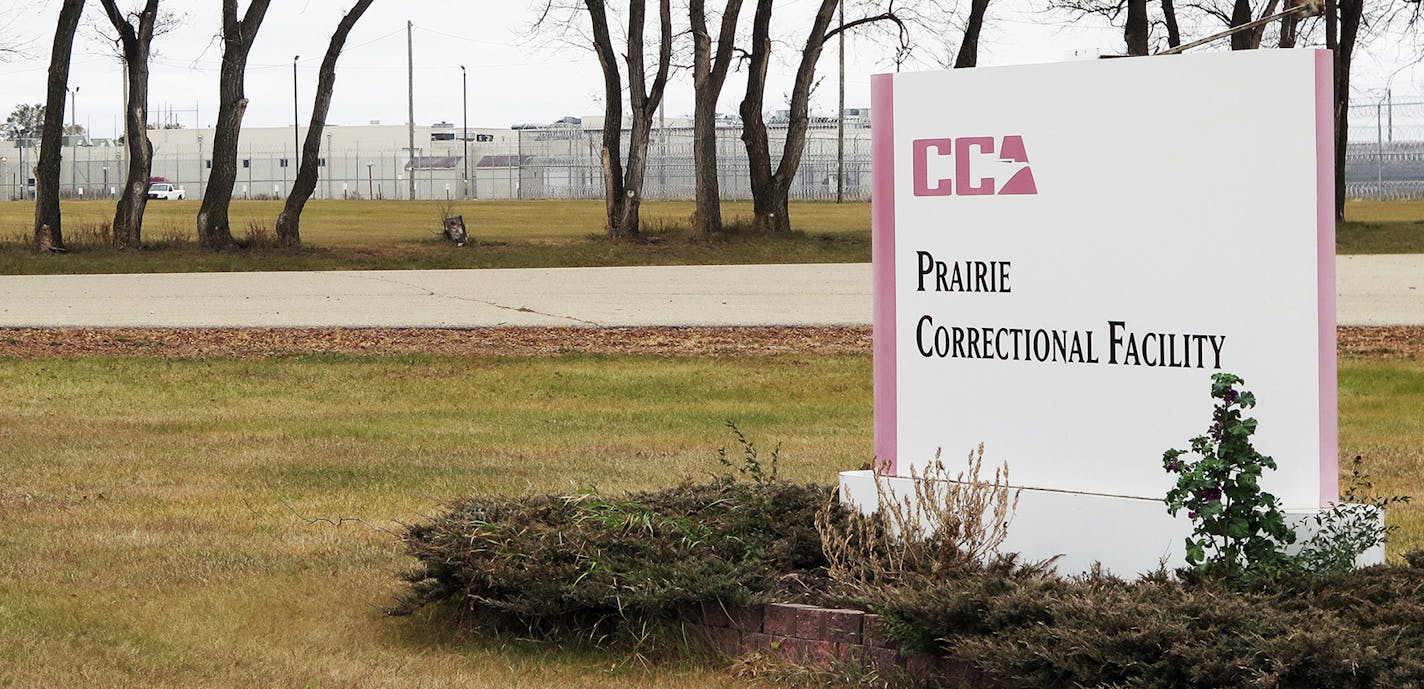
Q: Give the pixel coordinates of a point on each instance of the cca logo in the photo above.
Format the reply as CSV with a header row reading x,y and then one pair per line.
x,y
1012,160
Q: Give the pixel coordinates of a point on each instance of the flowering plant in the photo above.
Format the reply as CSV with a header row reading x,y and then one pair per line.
x,y
1238,529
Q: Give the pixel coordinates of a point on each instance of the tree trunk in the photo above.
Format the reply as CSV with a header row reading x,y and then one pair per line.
x,y
1240,16
1289,26
1135,29
1258,34
1351,12
135,43
969,47
49,234
1169,18
610,156
214,228
709,74
643,101
754,136
800,119
770,190
289,232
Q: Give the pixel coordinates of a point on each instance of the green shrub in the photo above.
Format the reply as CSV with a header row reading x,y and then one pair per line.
x,y
1362,629
601,566
1238,529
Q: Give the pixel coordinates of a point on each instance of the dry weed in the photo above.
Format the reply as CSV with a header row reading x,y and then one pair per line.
x,y
949,522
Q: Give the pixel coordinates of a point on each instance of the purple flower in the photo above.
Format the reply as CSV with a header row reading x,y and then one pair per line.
x,y
1231,396
1191,515
1172,465
1209,494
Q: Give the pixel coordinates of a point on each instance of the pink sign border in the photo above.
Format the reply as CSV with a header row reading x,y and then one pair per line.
x,y
1325,274
882,230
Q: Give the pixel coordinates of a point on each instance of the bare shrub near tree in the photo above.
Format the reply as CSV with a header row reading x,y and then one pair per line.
x,y
49,235
134,40
238,35
289,232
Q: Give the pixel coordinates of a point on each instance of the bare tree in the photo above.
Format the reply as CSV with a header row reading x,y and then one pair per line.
x,y
771,188
973,26
289,222
623,183
1238,13
1169,21
1349,14
1290,28
709,74
238,35
49,235
135,38
1135,18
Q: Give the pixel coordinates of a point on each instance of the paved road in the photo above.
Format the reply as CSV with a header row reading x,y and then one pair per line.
x,y
1374,290
691,295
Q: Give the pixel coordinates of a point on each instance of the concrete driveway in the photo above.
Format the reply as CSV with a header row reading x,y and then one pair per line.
x,y
1373,290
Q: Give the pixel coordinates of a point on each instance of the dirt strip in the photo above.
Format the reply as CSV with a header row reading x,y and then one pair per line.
x,y
179,343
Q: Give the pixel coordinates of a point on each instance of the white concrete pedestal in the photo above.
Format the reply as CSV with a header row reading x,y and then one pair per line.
x,y
1127,535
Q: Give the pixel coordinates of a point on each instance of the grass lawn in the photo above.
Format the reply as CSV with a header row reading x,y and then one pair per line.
x,y
148,539
356,235
1381,227
361,235
152,535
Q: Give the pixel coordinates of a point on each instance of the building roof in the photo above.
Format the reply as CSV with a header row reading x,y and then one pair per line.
x,y
434,162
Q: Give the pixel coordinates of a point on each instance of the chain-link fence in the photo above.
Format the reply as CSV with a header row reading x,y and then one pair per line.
x,y
1385,156
1384,160
554,162
567,164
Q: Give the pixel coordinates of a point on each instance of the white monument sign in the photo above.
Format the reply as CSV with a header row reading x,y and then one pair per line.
x,y
1065,253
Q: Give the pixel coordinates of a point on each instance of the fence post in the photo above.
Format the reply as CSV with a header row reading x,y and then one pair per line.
x,y
1379,150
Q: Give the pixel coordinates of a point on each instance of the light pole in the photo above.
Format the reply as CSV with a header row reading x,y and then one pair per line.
x,y
202,163
296,123
4,172
73,140
370,182
465,130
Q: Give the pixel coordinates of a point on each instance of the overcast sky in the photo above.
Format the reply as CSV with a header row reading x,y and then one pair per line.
x,y
513,77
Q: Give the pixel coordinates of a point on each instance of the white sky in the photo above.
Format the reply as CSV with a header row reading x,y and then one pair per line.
x,y
512,77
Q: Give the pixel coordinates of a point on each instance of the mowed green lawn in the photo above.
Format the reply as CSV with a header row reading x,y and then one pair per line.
x,y
367,223
356,235
1381,227
364,235
147,538
151,531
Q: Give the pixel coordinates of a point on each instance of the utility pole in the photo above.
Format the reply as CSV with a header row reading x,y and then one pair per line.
x,y
662,146
73,142
465,127
410,78
840,120
296,121
124,149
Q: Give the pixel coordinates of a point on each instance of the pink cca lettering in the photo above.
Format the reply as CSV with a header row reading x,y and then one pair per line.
x,y
1012,159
